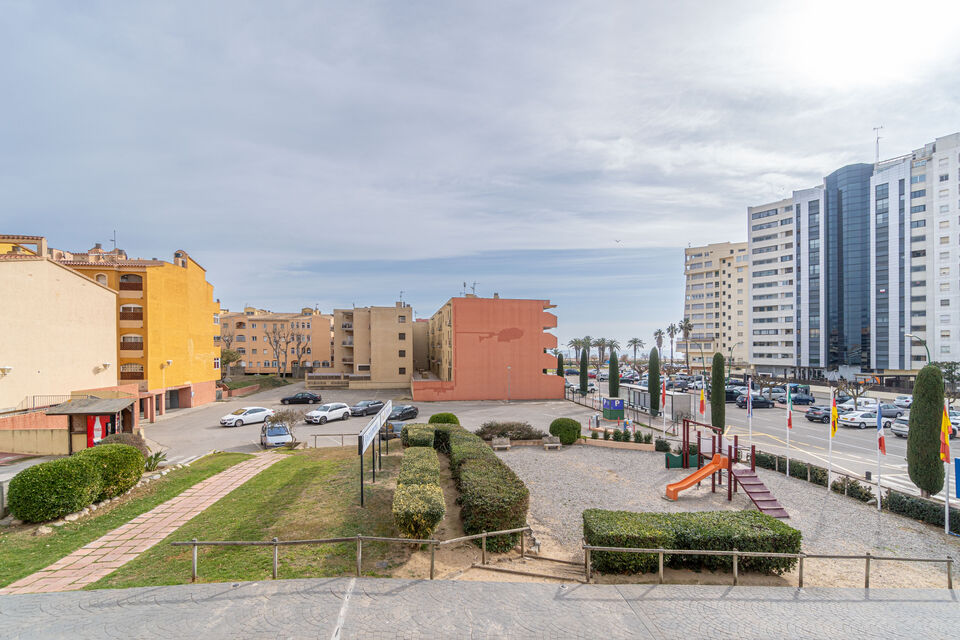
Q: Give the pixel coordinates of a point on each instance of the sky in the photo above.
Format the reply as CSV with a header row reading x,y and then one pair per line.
x,y
329,154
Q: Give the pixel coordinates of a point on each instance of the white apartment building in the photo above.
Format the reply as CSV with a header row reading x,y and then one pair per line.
x,y
717,289
772,317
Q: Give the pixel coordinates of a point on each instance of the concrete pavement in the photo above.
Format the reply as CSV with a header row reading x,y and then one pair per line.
x,y
381,608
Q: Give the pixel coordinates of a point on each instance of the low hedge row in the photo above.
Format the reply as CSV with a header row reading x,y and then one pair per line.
x,y
920,509
418,505
707,530
798,468
49,490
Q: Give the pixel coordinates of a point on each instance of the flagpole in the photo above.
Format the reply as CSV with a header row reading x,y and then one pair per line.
x,y
879,418
946,489
789,418
833,399
750,408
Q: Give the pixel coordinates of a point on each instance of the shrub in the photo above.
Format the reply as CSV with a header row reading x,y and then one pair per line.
x,y
153,460
443,418
920,509
647,438
420,437
419,466
492,498
52,489
661,444
638,436
798,469
120,467
818,475
418,509
617,435
708,530
567,429
691,449
606,434
134,440
594,435
512,430
923,440
766,461
853,488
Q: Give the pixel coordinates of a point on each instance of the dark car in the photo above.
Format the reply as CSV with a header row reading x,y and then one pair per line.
x,y
366,407
680,385
404,412
798,398
572,372
391,430
759,402
891,411
730,394
818,414
304,397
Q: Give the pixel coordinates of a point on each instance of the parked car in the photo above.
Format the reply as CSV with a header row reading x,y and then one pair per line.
x,y
391,430
901,427
629,378
695,384
862,404
758,402
572,372
818,414
677,384
404,412
568,385
304,397
797,398
903,402
246,415
730,394
275,434
366,407
891,411
774,393
797,389
859,419
327,412
592,374
603,375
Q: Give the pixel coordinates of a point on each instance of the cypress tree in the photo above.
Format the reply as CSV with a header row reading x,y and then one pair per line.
x,y
653,382
584,365
614,383
923,439
559,364
718,395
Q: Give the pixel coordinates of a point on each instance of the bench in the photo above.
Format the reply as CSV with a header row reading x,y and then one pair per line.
x,y
501,444
551,442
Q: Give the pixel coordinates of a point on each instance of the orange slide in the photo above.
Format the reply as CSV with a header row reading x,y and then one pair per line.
x,y
719,462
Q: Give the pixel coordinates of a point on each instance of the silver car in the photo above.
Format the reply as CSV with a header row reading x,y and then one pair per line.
x,y
275,434
901,427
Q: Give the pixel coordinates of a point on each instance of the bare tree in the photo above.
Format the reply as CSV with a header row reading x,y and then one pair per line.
x,y
856,389
278,337
299,339
226,339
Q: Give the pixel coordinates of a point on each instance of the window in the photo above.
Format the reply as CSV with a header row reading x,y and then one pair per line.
x,y
945,348
766,225
920,208
919,253
402,353
920,193
945,318
253,352
101,279
216,318
216,363
253,325
945,302
765,249
401,318
402,336
916,224
918,179
763,214
920,238
944,177
402,370
944,239
918,267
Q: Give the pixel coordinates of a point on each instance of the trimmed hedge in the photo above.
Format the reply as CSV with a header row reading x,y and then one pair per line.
x,y
49,490
854,489
418,509
567,429
706,530
134,440
422,437
512,430
492,498
443,418
920,509
661,444
419,466
120,467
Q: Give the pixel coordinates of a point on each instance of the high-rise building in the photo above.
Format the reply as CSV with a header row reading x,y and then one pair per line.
x,y
715,302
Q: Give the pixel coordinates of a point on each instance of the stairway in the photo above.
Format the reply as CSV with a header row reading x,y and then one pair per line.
x,y
758,492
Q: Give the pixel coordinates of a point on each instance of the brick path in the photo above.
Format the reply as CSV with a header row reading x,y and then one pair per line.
x,y
104,555
376,609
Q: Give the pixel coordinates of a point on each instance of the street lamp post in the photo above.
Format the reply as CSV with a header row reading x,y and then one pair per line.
x,y
921,341
508,383
730,359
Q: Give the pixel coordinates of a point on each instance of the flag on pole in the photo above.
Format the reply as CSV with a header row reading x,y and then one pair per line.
x,y
663,394
881,443
789,409
703,405
834,418
749,400
945,429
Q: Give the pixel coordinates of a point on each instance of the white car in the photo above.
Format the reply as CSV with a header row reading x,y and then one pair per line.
x,y
274,434
696,384
246,415
860,419
603,375
863,404
903,402
326,412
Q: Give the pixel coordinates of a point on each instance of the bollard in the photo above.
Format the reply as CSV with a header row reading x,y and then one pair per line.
x,y
276,558
949,572
586,563
433,553
193,578
800,586
866,573
660,569
359,553
483,548
521,545
736,564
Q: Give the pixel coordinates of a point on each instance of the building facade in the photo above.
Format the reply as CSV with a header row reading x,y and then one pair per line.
x,y
490,349
271,343
715,302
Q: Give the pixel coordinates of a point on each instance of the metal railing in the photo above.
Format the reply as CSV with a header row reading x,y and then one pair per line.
x,y
867,557
358,540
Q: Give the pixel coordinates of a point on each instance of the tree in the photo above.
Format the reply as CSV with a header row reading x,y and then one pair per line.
x,y
559,364
635,343
600,344
586,345
718,394
658,337
672,331
613,345
575,344
923,438
227,358
653,382
300,339
951,378
685,327
855,389
278,337
614,383
226,339
584,365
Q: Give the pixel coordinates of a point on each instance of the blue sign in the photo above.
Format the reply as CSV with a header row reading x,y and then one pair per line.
x,y
613,404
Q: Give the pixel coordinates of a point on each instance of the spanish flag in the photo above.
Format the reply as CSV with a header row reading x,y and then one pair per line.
x,y
703,404
834,418
945,429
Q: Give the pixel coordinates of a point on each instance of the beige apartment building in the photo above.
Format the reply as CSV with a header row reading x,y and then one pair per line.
x,y
270,343
373,348
716,302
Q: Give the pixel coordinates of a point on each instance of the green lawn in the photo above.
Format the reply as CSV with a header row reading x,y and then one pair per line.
x,y
22,553
265,382
311,494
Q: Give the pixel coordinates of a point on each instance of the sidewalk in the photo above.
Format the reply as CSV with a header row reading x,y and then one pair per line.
x,y
382,608
105,554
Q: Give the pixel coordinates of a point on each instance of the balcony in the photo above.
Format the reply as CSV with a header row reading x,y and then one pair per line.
x,y
131,286
347,325
347,343
131,375
131,315
131,345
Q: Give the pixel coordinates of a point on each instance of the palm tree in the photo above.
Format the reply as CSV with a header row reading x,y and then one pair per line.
x,y
575,344
613,345
555,352
635,343
686,327
672,331
601,345
586,344
658,336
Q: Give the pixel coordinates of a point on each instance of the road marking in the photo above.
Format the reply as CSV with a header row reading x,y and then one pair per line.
x,y
343,610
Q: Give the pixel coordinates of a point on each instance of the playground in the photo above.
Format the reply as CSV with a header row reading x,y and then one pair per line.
x,y
563,484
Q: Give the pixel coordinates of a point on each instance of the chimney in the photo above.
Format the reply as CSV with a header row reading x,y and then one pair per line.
x,y
496,296
98,247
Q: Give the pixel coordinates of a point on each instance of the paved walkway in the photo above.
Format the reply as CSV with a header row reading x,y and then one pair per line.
x,y
380,608
102,556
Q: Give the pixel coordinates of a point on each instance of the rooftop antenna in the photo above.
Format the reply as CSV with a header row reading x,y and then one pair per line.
x,y
401,295
463,291
473,287
876,131
114,239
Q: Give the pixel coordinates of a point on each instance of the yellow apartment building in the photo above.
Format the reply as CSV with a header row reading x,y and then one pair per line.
x,y
269,342
167,322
